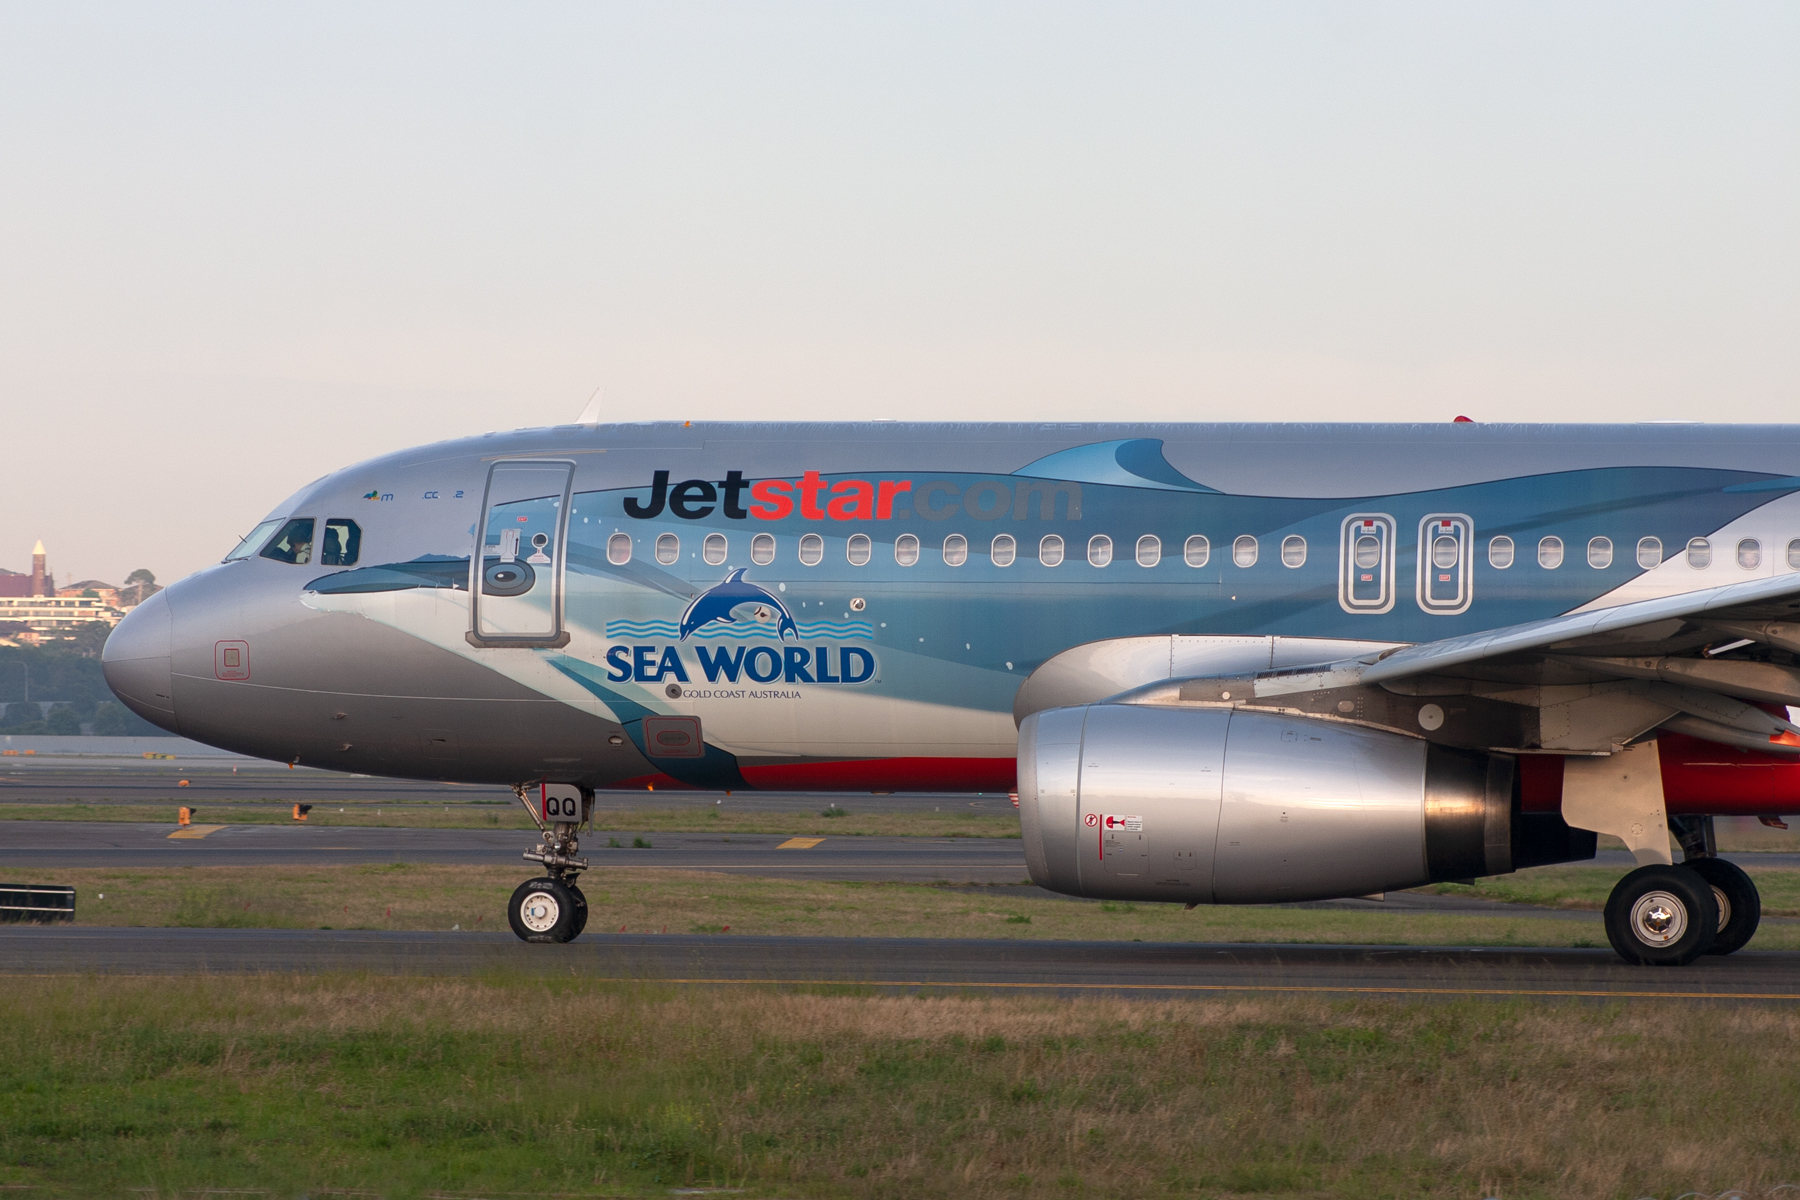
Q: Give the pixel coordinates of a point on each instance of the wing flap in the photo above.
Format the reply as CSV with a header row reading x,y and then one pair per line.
x,y
1755,601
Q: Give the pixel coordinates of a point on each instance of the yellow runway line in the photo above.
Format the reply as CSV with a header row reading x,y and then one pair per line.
x,y
799,843
196,831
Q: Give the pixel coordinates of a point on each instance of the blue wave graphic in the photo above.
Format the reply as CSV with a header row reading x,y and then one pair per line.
x,y
809,631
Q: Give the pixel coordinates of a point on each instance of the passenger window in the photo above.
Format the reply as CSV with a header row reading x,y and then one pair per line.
x,y
1003,551
254,539
1649,553
1500,553
342,544
1600,553
1149,550
1050,550
618,549
1550,552
1749,554
1099,550
858,550
1699,554
1794,554
812,550
293,544
762,549
1196,551
1243,551
956,550
713,549
668,549
906,550
1293,551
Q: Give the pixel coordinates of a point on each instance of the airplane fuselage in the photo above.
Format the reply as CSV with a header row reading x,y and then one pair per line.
x,y
858,605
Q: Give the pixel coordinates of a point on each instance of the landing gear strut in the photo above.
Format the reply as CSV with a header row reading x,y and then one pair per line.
x,y
1670,916
551,908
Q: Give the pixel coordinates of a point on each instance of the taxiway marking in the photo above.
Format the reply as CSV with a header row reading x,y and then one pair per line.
x,y
799,843
196,831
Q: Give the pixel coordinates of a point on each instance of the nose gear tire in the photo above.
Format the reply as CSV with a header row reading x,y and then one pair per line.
x,y
1742,910
1661,916
581,912
544,910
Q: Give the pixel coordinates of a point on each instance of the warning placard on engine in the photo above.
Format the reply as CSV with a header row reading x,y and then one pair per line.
x,y
1111,821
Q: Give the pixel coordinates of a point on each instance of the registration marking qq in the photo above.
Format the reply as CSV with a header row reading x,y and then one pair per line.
x,y
559,803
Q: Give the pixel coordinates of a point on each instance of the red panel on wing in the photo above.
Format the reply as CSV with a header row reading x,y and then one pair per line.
x,y
886,775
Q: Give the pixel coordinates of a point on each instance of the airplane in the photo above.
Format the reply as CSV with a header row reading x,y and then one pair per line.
x,y
1219,663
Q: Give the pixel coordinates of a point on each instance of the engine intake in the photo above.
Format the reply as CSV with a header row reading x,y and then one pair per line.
x,y
1223,806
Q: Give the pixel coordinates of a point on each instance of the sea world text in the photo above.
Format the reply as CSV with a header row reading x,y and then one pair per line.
x,y
754,663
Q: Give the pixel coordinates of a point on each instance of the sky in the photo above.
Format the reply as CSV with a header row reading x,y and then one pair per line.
x,y
244,245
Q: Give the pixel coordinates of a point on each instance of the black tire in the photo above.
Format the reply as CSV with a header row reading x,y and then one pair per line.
x,y
542,910
581,911
1661,916
1741,911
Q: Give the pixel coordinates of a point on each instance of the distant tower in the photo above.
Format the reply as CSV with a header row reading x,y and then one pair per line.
x,y
40,579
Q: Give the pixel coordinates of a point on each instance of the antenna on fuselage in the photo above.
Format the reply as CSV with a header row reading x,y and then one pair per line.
x,y
591,414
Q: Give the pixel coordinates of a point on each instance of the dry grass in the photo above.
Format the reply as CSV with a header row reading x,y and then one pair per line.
x,y
403,1087
650,900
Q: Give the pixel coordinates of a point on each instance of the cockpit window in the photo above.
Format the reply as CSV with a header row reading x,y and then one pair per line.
x,y
293,544
342,543
253,541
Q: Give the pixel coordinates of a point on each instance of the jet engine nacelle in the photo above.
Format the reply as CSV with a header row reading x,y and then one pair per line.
x,y
1222,806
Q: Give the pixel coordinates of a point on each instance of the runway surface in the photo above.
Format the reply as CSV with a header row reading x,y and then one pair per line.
x,y
52,844
930,966
55,844
218,778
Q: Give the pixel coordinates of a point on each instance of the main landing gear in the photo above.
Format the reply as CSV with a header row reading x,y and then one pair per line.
x,y
1670,916
551,908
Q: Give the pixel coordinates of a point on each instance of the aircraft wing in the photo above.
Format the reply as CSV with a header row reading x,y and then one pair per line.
x,y
1601,642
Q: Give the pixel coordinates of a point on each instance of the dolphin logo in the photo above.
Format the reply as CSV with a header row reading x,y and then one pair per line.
x,y
716,603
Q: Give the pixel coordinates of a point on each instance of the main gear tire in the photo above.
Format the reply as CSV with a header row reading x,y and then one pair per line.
x,y
1661,916
1740,905
544,910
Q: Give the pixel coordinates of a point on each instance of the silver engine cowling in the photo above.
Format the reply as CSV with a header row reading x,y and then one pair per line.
x,y
1222,806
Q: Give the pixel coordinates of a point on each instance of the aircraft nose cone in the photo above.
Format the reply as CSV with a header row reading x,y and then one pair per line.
x,y
136,662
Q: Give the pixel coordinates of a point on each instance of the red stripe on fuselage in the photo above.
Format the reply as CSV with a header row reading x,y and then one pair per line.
x,y
885,775
1700,778
863,775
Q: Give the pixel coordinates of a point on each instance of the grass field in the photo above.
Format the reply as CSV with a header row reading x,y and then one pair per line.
x,y
406,1088
951,821
646,900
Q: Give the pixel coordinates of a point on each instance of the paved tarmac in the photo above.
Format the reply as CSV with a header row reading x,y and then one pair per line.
x,y
920,965
55,844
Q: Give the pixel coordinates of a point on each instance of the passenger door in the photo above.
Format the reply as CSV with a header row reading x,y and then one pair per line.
x,y
1366,563
1446,548
516,578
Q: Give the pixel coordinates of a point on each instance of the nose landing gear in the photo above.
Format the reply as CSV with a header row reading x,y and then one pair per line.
x,y
552,908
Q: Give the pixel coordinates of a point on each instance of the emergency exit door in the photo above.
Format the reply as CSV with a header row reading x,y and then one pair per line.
x,y
1446,551
1366,563
516,578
